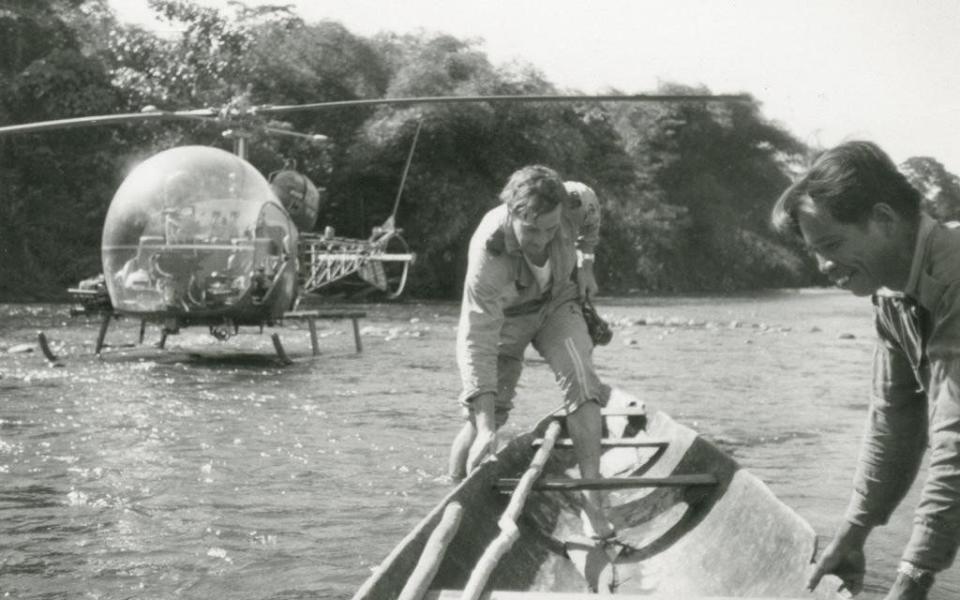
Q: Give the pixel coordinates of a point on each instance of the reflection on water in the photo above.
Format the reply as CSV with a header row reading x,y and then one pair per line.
x,y
209,471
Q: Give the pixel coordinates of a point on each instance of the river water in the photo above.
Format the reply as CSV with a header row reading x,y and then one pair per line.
x,y
209,471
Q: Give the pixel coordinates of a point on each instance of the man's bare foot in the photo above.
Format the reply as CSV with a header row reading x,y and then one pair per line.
x,y
483,446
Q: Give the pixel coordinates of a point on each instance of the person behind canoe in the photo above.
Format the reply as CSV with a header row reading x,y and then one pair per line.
x,y
530,262
862,221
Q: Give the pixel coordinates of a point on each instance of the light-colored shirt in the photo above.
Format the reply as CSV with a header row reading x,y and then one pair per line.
x,y
541,273
916,402
500,285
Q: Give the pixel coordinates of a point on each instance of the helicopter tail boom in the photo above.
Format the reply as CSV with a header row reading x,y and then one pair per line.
x,y
325,259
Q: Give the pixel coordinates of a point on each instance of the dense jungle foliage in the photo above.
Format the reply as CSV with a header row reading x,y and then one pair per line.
x,y
686,187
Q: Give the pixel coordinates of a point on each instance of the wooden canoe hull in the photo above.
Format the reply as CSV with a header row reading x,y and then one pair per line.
x,y
732,539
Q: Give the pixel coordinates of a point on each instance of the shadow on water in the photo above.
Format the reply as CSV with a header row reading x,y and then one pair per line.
x,y
219,358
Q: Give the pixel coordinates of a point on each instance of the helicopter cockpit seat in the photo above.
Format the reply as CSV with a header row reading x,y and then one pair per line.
x,y
132,276
221,230
181,225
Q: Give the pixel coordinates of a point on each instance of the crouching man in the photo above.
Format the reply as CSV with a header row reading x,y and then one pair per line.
x,y
530,263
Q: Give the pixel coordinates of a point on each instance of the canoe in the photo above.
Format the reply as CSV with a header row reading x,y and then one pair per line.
x,y
691,523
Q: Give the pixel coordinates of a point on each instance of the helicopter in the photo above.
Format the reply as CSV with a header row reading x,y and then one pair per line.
x,y
197,236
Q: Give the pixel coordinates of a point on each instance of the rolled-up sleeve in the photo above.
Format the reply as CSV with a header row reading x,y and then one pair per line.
x,y
481,319
894,441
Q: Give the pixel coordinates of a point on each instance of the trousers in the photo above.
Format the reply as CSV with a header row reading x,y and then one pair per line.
x,y
559,334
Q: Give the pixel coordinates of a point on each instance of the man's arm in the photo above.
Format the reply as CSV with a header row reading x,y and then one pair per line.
x,y
587,286
481,318
894,440
934,540
890,455
933,543
587,239
478,338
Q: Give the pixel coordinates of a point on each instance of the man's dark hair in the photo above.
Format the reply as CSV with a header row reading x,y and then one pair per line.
x,y
846,182
532,191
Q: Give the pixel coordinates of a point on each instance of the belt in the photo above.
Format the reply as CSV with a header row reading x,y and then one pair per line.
x,y
528,307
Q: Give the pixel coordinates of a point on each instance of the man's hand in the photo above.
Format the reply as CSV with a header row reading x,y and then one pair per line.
x,y
843,558
586,281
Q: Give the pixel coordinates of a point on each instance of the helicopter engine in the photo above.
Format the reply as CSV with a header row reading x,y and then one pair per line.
x,y
298,195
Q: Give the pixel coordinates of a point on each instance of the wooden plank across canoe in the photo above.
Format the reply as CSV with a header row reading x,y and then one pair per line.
x,y
612,483
623,411
507,595
611,443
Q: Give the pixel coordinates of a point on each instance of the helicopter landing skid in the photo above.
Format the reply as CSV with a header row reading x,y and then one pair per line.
x,y
311,317
221,331
278,346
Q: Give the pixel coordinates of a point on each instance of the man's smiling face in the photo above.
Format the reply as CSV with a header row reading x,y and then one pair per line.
x,y
534,233
858,257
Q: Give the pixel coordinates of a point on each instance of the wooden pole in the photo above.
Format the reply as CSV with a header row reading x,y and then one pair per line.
x,y
488,562
509,533
433,553
533,473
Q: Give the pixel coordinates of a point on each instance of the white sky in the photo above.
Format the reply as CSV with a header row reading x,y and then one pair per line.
x,y
827,70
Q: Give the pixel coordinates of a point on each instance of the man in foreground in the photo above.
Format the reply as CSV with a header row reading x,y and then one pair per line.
x,y
530,262
861,218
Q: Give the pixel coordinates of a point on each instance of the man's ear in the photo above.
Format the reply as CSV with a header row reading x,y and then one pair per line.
x,y
883,215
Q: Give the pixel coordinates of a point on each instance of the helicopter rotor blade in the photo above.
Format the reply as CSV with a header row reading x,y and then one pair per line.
x,y
210,114
158,115
316,137
268,109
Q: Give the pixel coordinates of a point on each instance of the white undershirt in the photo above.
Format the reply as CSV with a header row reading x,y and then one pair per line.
x,y
541,274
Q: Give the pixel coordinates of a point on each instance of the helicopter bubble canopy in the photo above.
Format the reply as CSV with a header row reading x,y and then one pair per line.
x,y
189,229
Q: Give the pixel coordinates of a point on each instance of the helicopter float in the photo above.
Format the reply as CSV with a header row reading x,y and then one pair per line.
x,y
197,236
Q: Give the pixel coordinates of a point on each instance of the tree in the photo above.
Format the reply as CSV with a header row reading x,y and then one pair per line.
x,y
940,188
54,186
685,188
709,173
